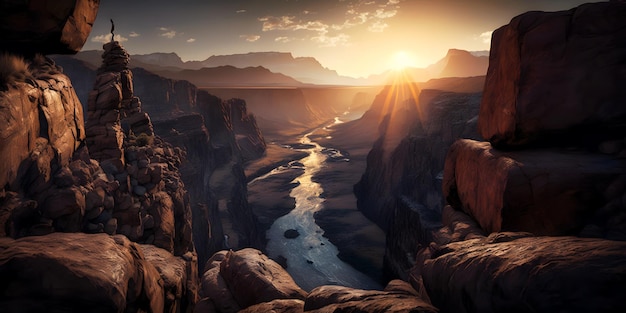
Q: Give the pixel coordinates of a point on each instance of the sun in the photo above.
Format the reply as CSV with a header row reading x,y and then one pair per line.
x,y
400,60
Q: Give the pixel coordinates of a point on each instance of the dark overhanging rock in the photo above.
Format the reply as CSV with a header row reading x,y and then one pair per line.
x,y
30,27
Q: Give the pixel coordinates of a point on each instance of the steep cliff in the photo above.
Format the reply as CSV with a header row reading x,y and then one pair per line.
x,y
217,136
552,173
401,187
63,179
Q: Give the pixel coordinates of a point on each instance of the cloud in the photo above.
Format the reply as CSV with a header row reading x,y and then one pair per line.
x,y
378,27
277,23
241,11
167,32
107,38
316,26
282,39
134,34
190,40
332,41
369,13
382,14
486,37
250,38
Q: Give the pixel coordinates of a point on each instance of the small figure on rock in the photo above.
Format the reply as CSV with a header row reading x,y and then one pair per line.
x,y
112,30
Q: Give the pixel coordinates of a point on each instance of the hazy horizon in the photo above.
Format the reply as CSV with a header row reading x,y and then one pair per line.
x,y
354,38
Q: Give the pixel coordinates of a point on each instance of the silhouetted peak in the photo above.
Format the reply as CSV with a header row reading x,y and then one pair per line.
x,y
163,58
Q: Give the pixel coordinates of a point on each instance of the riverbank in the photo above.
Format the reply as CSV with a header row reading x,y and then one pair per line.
x,y
270,198
360,242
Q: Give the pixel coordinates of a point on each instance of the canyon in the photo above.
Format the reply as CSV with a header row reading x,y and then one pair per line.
x,y
127,191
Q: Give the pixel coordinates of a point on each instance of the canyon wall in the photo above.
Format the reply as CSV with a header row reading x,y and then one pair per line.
x,y
89,189
288,111
215,134
567,183
401,187
535,221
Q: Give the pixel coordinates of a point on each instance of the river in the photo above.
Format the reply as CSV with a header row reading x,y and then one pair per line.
x,y
311,258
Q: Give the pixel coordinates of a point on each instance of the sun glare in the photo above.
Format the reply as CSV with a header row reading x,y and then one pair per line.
x,y
401,60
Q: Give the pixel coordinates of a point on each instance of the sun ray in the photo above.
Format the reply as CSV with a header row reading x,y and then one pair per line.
x,y
401,108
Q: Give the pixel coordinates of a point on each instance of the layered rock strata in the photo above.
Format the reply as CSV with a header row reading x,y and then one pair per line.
x,y
558,181
51,185
538,176
543,191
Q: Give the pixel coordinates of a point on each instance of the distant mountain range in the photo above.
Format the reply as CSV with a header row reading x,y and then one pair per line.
x,y
283,69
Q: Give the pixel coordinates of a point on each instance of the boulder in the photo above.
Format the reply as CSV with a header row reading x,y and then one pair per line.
x,y
173,271
253,278
213,286
550,72
519,273
276,306
76,272
546,192
47,26
345,299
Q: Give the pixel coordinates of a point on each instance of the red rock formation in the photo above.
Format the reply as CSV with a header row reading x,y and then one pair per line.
x,y
279,305
254,278
512,272
77,272
546,192
550,72
180,280
236,280
395,298
537,98
46,27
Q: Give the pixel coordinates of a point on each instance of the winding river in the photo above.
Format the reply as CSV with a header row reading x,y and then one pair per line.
x,y
311,259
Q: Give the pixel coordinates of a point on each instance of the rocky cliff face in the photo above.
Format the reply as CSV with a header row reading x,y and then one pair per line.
x,y
401,187
215,134
550,201
64,179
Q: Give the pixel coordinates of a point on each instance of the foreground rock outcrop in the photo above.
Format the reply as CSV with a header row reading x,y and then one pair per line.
x,y
543,191
516,272
77,272
248,281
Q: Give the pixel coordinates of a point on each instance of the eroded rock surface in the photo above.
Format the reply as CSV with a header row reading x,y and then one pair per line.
x,y
344,299
516,272
546,192
550,72
77,272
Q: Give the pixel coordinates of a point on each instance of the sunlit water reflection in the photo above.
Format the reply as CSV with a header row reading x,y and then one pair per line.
x,y
311,259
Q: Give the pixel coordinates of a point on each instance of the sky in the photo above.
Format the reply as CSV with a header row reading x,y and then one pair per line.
x,y
354,37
